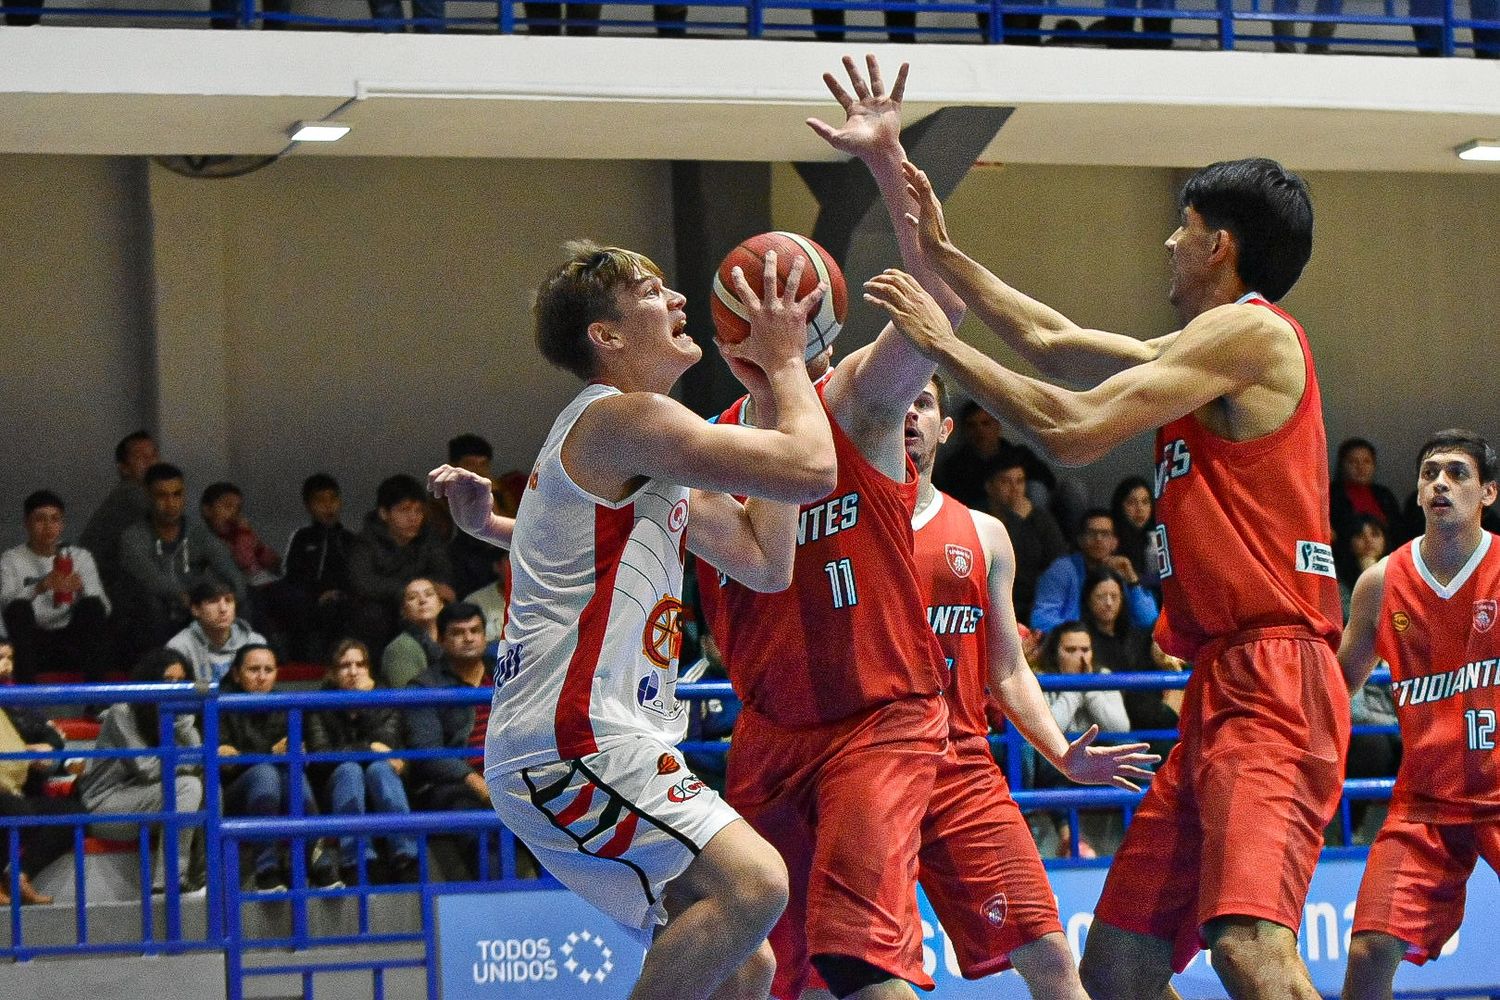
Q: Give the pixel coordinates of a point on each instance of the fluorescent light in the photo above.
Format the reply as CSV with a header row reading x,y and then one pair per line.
x,y
318,131
1480,149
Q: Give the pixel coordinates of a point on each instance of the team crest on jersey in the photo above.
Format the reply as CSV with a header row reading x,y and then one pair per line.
x,y
960,559
677,519
667,764
661,640
1400,621
995,909
1484,615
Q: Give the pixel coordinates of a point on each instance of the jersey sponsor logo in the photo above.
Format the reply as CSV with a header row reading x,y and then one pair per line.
x,y
687,788
954,619
828,517
1315,558
960,559
661,639
667,764
650,694
1400,621
1484,615
677,519
509,665
1176,461
1429,688
995,909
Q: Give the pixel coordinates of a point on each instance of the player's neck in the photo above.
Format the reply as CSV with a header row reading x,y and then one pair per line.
x,y
1446,551
925,491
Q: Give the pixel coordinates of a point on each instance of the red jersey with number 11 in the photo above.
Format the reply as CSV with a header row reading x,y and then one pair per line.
x,y
1443,646
955,585
850,633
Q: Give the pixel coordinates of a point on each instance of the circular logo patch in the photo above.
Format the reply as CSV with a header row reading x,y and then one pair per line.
x,y
1400,622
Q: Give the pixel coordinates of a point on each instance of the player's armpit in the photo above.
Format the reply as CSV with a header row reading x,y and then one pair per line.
x,y
1357,656
621,439
753,543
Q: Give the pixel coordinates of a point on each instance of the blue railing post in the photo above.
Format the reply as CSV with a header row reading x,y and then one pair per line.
x,y
755,19
171,863
1448,27
1226,25
996,33
507,17
212,815
247,14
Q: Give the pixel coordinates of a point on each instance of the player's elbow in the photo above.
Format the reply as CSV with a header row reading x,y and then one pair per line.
x,y
1074,444
813,475
769,577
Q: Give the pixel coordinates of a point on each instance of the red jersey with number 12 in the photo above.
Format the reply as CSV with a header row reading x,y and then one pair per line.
x,y
955,586
849,634
1243,540
1443,646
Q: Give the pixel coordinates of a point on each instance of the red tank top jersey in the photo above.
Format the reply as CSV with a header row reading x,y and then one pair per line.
x,y
849,634
955,588
1242,533
1443,647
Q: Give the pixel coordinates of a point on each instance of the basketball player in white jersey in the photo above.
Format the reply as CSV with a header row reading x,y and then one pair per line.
x,y
580,757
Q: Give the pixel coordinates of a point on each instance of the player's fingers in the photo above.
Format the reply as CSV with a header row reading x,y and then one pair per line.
x,y
837,90
1127,785
793,280
809,303
825,131
899,90
857,81
768,277
872,67
1134,772
1088,738
742,287
1134,748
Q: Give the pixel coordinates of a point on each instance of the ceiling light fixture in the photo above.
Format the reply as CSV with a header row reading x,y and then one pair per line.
x,y
319,131
1479,149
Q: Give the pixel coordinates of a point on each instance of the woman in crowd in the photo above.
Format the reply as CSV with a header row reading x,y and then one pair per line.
x,y
136,784
263,789
1363,546
357,787
23,790
1133,510
1354,491
1121,647
416,648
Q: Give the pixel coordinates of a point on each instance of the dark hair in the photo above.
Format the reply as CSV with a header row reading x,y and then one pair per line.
x,y
1048,661
208,589
581,291
217,491
468,444
122,450
246,650
941,394
1466,441
161,472
41,498
398,489
1267,209
151,668
458,611
1123,489
1345,447
1092,513
966,411
317,483
1096,578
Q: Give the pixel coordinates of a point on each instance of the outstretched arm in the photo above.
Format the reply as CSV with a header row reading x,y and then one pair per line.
x,y
1013,683
1219,352
471,502
883,378
1357,654
1058,347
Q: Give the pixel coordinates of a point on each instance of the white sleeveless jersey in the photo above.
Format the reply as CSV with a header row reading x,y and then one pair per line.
x,y
591,644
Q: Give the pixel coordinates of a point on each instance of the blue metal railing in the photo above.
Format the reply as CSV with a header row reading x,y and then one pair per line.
x,y
224,835
1431,27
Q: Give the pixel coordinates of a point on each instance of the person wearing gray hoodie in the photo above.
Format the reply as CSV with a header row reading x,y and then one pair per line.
x,y
216,634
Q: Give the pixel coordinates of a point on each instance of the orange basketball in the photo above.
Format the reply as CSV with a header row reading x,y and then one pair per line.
x,y
822,326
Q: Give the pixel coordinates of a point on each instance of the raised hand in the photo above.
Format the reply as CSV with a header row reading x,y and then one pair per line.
x,y
912,309
469,495
778,319
932,229
1091,765
872,118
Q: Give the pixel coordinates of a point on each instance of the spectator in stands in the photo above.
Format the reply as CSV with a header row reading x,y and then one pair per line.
x,y
982,449
473,559
1123,28
1318,32
55,608
268,607
317,570
357,787
580,18
164,557
125,505
135,784
1133,511
1121,647
417,648
493,597
452,782
1364,545
1034,533
263,789
1059,592
1354,491
23,790
394,548
217,633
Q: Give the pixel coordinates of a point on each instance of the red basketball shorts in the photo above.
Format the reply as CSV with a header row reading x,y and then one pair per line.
x,y
979,865
843,803
1416,878
1233,822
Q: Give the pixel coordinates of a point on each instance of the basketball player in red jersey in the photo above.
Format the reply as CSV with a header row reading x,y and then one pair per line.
x,y
1429,611
835,753
1224,844
979,864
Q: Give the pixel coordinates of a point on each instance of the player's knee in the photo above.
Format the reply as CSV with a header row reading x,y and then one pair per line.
x,y
1112,970
760,892
1251,950
1047,965
752,980
847,975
